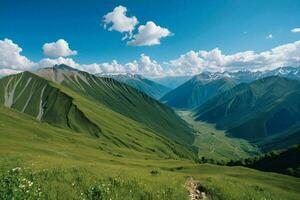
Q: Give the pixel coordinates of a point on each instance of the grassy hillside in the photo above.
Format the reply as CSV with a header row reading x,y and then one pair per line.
x,y
124,100
62,107
196,91
38,160
284,161
147,86
35,96
256,111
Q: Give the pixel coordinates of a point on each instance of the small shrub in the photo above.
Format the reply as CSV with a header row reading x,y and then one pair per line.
x,y
154,172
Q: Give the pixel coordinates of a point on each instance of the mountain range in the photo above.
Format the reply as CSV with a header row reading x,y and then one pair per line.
x,y
265,108
196,91
141,83
248,76
172,81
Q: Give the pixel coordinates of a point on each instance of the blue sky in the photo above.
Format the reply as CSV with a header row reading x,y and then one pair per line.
x,y
232,26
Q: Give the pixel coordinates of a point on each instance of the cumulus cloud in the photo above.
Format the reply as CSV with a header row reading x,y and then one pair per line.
x,y
118,21
296,30
145,66
146,35
111,68
194,62
11,58
48,62
94,68
214,60
60,48
149,34
190,63
5,72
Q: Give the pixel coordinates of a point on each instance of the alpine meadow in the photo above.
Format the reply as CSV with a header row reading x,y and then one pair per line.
x,y
159,100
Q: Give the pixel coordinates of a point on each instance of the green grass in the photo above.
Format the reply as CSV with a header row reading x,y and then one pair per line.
x,y
66,108
129,102
62,164
214,144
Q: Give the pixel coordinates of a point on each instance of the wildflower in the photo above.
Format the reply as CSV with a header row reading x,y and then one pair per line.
x,y
16,169
30,183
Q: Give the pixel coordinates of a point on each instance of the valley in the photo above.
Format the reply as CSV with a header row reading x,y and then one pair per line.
x,y
214,144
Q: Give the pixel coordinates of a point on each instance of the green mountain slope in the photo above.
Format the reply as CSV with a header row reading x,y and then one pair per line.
x,y
35,96
142,84
62,107
122,99
255,111
196,91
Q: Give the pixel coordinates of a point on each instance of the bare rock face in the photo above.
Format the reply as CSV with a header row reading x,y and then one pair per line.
x,y
196,191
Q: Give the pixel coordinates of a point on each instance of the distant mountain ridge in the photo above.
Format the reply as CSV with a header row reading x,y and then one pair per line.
x,y
197,90
249,76
141,83
205,85
172,81
264,108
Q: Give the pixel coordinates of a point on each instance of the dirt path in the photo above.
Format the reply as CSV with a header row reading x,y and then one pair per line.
x,y
195,190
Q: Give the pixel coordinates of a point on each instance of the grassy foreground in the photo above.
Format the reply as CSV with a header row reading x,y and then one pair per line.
x,y
39,161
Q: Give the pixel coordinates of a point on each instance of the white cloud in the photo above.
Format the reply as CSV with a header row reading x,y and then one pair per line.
x,y
48,62
214,60
60,48
194,62
5,72
149,34
11,58
113,67
270,36
190,63
145,66
296,30
119,21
